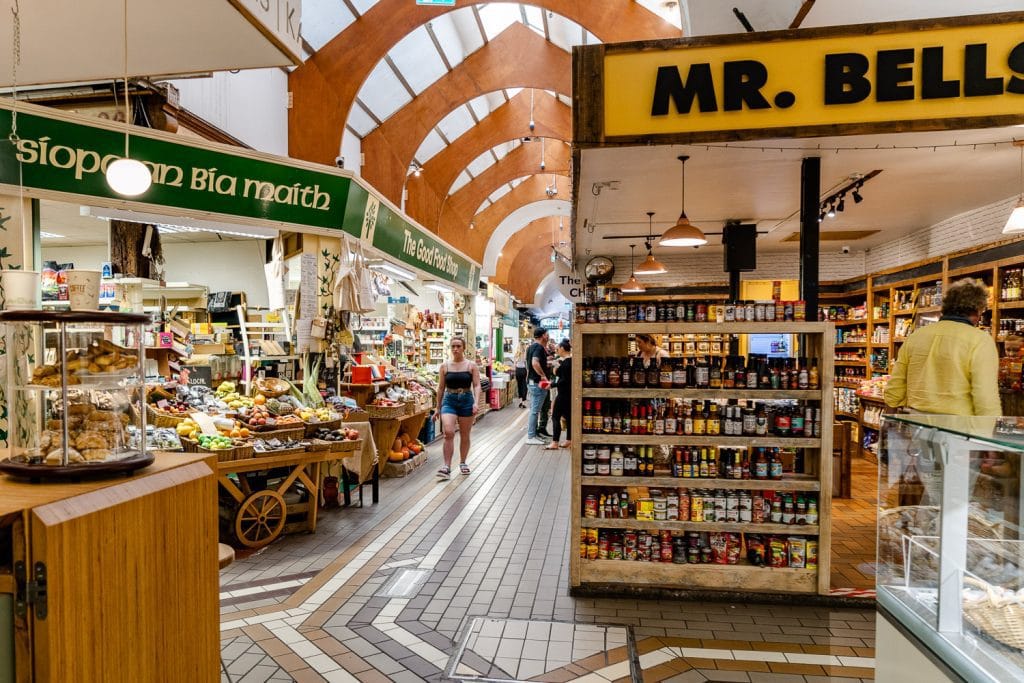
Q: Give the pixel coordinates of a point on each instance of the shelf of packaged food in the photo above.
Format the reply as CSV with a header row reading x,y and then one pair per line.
x,y
880,321
735,577
737,527
850,416
788,484
929,309
902,312
850,363
851,345
761,394
872,399
691,440
1009,305
704,328
856,384
875,368
850,323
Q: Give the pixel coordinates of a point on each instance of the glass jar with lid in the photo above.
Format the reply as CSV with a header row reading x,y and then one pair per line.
x,y
75,388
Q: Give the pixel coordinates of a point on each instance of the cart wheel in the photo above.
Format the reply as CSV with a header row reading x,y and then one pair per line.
x,y
260,519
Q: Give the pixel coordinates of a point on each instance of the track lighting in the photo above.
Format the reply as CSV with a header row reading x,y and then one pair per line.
x,y
841,206
831,211
857,199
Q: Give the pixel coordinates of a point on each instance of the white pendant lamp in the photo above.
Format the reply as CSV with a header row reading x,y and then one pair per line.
x,y
632,284
650,265
683,234
128,177
1016,220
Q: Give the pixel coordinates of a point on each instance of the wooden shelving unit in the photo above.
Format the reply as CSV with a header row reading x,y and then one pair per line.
x,y
592,340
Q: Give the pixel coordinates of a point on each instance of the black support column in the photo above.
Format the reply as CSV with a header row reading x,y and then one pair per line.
x,y
734,285
810,229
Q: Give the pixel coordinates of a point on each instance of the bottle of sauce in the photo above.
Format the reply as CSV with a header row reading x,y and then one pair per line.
x,y
639,374
704,468
714,421
678,374
813,378
752,373
775,465
703,373
687,419
665,374
659,422
740,374
588,373
626,372
614,373
761,421
715,374
804,377
760,465
700,423
670,419
600,373
617,462
729,374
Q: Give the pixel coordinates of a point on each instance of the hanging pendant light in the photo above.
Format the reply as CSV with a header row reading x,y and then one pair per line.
x,y
650,265
1016,220
632,284
128,177
683,234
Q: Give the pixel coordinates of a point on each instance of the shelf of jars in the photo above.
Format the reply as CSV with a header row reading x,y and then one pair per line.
x,y
717,463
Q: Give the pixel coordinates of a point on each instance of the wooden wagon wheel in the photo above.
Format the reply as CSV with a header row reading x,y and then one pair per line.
x,y
260,519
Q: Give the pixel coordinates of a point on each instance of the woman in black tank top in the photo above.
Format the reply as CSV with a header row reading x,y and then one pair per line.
x,y
458,391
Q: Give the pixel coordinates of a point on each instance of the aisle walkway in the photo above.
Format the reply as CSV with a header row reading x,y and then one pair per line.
x,y
466,580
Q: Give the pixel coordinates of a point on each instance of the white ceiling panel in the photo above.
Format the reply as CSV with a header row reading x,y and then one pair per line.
x,y
481,163
565,99
456,123
500,192
432,144
383,93
363,6
418,60
498,16
534,17
360,121
669,11
324,19
458,34
460,182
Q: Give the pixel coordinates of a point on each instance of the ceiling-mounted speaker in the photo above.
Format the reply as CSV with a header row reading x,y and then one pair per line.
x,y
740,242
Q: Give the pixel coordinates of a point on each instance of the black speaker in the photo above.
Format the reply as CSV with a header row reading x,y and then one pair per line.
x,y
740,242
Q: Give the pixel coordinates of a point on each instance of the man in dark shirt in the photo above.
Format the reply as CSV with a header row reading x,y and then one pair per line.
x,y
536,372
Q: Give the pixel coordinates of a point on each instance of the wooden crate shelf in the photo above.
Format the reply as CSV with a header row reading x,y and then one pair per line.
x,y
607,339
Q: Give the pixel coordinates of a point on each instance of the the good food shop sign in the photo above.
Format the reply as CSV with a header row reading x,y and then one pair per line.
x,y
962,72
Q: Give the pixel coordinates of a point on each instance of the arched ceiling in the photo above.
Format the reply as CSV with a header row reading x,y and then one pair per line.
x,y
516,221
452,92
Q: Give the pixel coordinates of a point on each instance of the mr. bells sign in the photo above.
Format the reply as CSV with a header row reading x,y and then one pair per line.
x,y
847,80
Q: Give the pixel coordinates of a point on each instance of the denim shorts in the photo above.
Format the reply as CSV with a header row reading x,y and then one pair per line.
x,y
458,404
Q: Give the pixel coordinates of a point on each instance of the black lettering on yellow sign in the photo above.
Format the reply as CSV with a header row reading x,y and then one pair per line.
x,y
848,81
742,81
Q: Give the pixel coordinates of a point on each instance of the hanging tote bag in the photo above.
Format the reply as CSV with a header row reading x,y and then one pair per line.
x,y
364,284
343,290
275,272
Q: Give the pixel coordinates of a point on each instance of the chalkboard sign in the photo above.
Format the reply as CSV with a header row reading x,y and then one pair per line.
x,y
219,302
200,376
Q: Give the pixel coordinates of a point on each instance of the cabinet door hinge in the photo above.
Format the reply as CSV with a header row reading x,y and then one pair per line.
x,y
30,592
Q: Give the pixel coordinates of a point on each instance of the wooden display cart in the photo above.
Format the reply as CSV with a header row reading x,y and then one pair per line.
x,y
87,569
386,430
262,511
610,340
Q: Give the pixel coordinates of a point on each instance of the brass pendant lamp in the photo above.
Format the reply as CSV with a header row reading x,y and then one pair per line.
x,y
683,234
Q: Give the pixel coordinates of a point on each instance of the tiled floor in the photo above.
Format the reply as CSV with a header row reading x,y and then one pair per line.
x,y
490,549
853,530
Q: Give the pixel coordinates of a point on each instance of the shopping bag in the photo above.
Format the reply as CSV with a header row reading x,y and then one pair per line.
x,y
275,272
367,296
343,288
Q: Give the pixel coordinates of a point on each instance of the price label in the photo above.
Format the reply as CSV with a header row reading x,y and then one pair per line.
x,y
206,423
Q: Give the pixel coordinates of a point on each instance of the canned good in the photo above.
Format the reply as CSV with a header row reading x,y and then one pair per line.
x,y
602,548
684,504
812,553
660,515
592,551
590,507
666,552
693,555
679,550
697,507
615,551
592,535
604,469
710,513
732,507
660,503
706,555
746,507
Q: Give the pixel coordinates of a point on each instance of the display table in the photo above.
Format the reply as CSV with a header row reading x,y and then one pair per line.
x,y
92,564
362,393
385,430
261,513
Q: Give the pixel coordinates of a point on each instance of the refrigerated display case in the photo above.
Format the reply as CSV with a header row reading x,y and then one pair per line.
x,y
950,573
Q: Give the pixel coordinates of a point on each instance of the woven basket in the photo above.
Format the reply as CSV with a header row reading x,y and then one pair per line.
x,y
385,412
241,451
312,427
318,446
346,446
296,432
283,451
356,416
999,617
160,418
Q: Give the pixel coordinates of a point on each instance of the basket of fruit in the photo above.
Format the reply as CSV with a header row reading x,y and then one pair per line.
x,y
318,446
225,447
342,440
319,418
271,387
385,409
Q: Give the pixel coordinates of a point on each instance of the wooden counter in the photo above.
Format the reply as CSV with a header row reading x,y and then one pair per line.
x,y
100,559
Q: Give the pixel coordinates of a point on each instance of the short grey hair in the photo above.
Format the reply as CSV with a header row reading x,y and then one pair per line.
x,y
965,298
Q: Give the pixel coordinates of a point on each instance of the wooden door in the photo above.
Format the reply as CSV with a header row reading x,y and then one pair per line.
x,y
131,581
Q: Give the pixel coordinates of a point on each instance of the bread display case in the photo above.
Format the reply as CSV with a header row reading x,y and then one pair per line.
x,y
74,386
950,572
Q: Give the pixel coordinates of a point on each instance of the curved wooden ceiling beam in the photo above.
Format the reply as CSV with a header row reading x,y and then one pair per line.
x,y
534,189
460,207
325,86
528,269
507,123
517,58
534,238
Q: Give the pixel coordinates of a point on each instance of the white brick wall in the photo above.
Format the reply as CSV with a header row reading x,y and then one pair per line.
x,y
977,227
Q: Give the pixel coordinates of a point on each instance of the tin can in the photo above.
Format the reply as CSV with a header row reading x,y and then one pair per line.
x,y
615,551
746,507
592,535
666,551
590,507
709,506
696,507
721,507
629,540
684,504
602,548
758,510
702,313
705,555
679,550
693,554
592,551
732,507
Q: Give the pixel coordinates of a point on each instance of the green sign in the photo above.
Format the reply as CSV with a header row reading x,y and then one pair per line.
x,y
65,156
388,231
60,155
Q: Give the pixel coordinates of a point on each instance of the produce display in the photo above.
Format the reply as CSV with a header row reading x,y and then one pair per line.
x,y
404,448
216,443
336,435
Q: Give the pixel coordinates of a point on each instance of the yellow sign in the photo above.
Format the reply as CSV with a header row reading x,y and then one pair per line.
x,y
939,73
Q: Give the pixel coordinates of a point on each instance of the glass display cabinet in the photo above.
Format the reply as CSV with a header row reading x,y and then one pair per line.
x,y
950,573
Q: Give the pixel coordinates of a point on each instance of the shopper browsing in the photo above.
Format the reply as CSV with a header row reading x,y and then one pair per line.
x,y
563,396
537,383
521,377
458,392
545,408
649,350
950,367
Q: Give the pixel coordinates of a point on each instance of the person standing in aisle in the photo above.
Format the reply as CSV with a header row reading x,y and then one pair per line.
x,y
545,409
563,397
458,393
521,376
537,383
950,367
